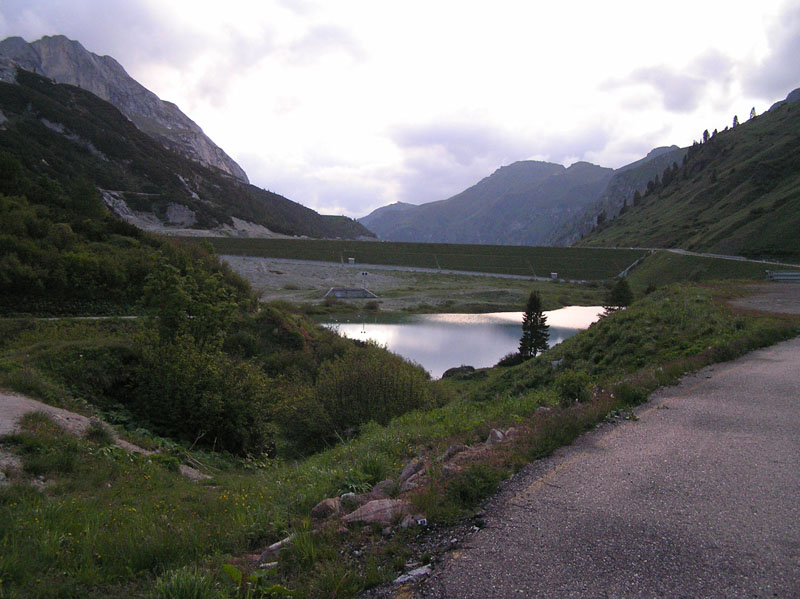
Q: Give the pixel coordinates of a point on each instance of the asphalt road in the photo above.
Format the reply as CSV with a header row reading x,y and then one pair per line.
x,y
698,498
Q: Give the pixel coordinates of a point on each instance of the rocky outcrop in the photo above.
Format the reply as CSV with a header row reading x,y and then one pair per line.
x,y
67,61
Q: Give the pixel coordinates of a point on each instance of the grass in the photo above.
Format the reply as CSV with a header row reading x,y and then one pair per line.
x,y
525,261
663,268
109,523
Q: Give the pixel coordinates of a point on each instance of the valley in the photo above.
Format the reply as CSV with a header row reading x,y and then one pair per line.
x,y
167,313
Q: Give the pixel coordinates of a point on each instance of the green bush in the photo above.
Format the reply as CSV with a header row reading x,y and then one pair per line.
x,y
572,386
201,396
369,383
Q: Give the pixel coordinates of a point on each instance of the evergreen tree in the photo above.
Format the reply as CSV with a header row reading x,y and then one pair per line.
x,y
535,331
735,120
753,112
620,296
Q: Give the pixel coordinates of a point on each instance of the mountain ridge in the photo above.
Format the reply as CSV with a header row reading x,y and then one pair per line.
x,y
66,136
66,61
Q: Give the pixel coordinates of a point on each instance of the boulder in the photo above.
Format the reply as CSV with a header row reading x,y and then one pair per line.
x,y
413,467
413,482
413,520
495,436
326,508
380,511
413,575
382,490
451,451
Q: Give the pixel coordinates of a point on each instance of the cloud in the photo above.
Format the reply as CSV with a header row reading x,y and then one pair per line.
x,y
324,41
681,90
777,73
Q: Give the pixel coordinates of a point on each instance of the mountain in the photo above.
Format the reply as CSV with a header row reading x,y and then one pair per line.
x,y
737,193
619,192
67,61
66,137
523,203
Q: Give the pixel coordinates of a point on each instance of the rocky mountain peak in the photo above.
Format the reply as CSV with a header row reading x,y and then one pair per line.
x,y
66,61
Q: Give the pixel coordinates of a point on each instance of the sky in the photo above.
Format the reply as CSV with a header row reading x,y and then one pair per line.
x,y
349,105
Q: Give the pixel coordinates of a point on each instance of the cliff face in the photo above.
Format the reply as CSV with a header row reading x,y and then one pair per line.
x,y
67,61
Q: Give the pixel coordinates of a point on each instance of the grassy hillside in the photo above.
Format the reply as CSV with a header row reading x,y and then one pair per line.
x,y
568,263
737,193
65,135
664,268
109,523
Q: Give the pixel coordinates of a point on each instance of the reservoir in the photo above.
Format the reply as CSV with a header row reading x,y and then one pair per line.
x,y
441,341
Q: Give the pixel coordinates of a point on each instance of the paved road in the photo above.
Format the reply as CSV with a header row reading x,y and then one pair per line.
x,y
698,498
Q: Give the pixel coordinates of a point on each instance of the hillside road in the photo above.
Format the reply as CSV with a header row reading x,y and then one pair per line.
x,y
697,498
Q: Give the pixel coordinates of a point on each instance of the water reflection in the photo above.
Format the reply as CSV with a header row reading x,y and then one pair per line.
x,y
441,341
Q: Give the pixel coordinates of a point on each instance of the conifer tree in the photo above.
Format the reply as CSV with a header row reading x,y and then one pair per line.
x,y
535,330
619,297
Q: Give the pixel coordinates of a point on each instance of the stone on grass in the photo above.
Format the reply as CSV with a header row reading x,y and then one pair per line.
x,y
413,467
495,437
414,575
326,508
451,451
379,511
382,490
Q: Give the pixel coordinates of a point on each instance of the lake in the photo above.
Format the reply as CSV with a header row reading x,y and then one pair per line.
x,y
441,341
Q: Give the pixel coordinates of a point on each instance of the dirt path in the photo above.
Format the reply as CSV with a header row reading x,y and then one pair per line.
x,y
780,298
14,406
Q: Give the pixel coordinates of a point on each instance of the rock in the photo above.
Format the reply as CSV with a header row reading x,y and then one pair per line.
x,y
413,575
326,508
452,451
270,551
495,437
67,61
379,511
510,433
412,483
382,490
543,410
413,520
413,467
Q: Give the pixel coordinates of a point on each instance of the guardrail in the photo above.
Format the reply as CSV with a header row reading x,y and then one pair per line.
x,y
784,275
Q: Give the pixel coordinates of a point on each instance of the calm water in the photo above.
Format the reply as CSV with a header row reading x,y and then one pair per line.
x,y
441,341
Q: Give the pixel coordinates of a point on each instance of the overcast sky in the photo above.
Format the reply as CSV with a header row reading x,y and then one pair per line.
x,y
349,105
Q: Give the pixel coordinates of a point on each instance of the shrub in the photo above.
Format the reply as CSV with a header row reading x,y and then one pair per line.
x,y
572,387
370,384
511,359
99,434
200,395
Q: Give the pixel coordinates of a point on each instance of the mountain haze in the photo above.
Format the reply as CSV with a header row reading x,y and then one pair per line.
x,y
619,192
523,203
67,61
